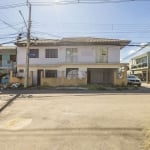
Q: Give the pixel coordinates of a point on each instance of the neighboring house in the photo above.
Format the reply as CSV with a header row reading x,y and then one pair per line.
x,y
72,61
140,66
7,59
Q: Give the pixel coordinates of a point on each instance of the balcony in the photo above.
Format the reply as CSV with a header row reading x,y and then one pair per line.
x,y
139,65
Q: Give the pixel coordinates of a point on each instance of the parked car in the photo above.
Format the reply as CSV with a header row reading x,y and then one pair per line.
x,y
133,80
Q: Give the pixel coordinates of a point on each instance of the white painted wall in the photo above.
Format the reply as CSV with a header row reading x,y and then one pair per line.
x,y
34,78
86,54
21,55
114,54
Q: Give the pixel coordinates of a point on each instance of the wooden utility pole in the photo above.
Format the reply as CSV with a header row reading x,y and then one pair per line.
x,y
26,81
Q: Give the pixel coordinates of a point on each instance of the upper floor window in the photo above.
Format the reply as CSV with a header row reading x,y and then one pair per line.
x,y
51,53
71,54
34,53
141,60
102,55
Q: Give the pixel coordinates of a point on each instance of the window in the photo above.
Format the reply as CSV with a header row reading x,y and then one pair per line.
x,y
71,54
102,55
141,60
34,53
50,73
51,53
72,73
21,70
13,58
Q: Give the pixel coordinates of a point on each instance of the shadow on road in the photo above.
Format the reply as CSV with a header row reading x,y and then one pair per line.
x,y
8,102
48,90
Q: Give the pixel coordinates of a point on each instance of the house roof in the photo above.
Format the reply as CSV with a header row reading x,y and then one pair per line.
x,y
80,41
7,47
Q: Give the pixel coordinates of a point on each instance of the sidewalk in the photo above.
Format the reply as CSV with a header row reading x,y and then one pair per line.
x,y
144,84
145,88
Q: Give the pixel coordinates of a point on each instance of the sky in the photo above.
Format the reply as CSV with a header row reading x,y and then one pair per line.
x,y
123,20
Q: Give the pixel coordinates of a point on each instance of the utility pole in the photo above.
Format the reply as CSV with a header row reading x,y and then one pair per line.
x,y
26,81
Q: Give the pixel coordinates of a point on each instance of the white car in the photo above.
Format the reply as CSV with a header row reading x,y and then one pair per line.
x,y
133,80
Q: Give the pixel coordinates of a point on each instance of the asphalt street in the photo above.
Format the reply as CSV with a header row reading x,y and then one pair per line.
x,y
70,119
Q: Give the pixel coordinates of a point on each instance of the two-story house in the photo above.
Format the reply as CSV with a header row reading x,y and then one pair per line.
x,y
140,66
72,61
7,59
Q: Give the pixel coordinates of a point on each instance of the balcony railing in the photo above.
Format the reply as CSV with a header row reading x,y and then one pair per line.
x,y
139,65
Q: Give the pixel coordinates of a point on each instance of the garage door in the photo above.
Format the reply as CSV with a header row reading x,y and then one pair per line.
x,y
96,76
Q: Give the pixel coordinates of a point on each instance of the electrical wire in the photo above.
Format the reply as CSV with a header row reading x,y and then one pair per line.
x,y
140,49
8,37
115,29
12,25
64,2
45,33
9,42
12,5
9,25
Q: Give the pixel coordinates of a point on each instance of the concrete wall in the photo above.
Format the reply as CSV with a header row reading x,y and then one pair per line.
x,y
54,82
14,79
61,69
61,80
120,79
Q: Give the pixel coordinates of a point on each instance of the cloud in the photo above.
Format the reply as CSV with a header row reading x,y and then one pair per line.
x,y
131,52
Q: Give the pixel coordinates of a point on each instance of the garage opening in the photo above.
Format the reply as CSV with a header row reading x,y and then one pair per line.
x,y
100,75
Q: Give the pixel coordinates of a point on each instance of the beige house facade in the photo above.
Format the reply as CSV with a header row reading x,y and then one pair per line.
x,y
72,62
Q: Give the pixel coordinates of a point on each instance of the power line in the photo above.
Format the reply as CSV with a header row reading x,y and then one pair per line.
x,y
12,5
104,32
10,34
113,28
7,37
12,25
109,1
8,42
45,33
65,2
141,48
9,25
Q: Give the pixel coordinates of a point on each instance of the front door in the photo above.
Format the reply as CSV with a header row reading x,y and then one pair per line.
x,y
39,77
